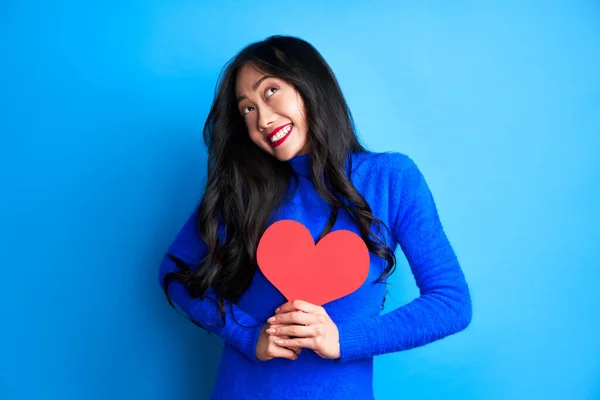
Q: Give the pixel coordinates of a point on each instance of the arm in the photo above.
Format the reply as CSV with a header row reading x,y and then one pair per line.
x,y
187,248
444,305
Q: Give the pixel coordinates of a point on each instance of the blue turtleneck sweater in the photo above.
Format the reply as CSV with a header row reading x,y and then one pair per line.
x,y
399,196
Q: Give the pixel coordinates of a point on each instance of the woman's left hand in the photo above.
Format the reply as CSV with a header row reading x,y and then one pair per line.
x,y
309,325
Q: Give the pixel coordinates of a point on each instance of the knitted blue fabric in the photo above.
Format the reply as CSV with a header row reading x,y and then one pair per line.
x,y
399,196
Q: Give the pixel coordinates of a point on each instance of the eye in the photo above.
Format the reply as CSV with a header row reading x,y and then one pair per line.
x,y
246,110
274,89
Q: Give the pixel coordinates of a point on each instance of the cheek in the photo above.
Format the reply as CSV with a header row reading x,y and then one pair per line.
x,y
250,125
300,111
254,137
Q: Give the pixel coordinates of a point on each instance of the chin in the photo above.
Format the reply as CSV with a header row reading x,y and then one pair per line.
x,y
286,152
284,156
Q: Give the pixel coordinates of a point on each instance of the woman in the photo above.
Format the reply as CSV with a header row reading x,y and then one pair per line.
x,y
282,145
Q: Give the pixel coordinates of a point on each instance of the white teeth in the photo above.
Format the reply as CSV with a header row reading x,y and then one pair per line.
x,y
281,133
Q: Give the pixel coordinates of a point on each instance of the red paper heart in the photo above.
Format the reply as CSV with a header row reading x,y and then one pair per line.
x,y
334,268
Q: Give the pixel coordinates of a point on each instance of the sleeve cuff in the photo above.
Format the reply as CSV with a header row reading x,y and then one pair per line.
x,y
354,340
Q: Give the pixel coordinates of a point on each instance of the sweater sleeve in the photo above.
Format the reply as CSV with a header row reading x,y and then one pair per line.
x,y
444,305
240,330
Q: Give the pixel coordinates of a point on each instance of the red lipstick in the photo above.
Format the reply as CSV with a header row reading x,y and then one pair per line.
x,y
275,131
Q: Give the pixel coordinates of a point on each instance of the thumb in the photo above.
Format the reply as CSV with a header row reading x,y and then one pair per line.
x,y
279,351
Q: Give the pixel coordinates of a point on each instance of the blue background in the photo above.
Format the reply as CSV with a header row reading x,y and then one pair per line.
x,y
102,106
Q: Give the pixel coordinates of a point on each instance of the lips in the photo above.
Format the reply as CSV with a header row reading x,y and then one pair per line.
x,y
282,139
276,130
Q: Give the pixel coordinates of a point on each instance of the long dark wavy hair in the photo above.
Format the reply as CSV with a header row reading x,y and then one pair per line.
x,y
246,185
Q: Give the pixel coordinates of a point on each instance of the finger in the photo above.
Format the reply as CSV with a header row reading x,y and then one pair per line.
x,y
277,351
284,308
294,317
294,330
283,352
300,305
295,349
305,343
277,326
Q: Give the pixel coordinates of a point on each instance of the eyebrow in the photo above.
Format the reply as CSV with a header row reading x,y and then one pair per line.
x,y
255,86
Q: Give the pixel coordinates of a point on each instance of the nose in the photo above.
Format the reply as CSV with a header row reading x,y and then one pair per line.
x,y
266,117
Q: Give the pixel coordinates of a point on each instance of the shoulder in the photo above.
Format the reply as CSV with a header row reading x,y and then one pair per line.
x,y
385,164
393,176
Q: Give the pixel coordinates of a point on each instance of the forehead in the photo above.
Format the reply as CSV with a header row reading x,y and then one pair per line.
x,y
245,78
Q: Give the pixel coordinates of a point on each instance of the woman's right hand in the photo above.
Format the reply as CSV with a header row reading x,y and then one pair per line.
x,y
267,349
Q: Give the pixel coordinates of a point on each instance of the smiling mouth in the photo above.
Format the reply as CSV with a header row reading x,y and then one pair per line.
x,y
280,135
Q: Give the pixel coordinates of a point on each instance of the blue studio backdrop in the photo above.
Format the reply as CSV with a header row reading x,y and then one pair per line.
x,y
101,111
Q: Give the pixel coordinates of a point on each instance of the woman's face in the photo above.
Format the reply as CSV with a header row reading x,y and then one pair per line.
x,y
274,113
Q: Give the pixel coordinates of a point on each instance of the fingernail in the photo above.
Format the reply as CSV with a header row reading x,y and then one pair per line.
x,y
277,310
272,319
270,330
279,341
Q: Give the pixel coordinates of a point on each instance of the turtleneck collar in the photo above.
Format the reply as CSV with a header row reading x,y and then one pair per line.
x,y
301,164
